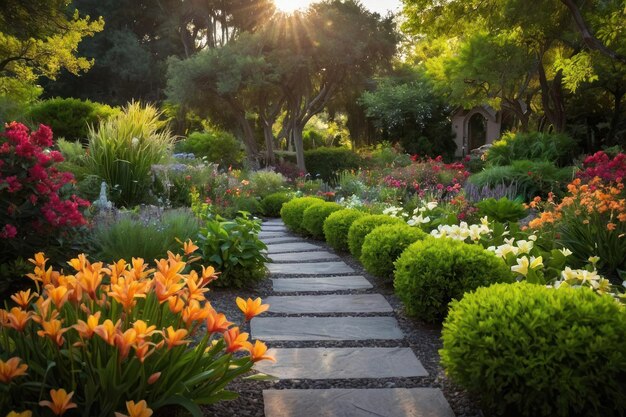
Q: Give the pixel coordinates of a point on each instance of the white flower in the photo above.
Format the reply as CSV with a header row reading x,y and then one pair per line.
x,y
504,250
432,205
417,220
532,238
569,273
484,221
524,246
594,259
566,252
134,142
522,266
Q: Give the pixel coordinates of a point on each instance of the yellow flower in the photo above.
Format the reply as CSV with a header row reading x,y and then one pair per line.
x,y
86,330
60,401
26,413
251,308
522,266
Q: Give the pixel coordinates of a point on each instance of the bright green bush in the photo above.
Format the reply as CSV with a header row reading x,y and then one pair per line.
x,y
536,146
502,210
432,272
272,203
123,148
263,183
336,227
215,145
384,245
70,118
249,204
314,217
534,351
363,226
293,212
325,163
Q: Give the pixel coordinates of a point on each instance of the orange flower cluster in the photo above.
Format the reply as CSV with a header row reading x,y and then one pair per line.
x,y
585,201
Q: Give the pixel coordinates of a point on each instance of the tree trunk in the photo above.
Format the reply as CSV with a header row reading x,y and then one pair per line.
x,y
296,133
552,98
249,140
269,143
617,110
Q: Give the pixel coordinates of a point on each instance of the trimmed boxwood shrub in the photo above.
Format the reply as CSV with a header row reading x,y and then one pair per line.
x,y
272,203
432,272
314,216
293,211
336,227
534,351
385,244
363,226
324,163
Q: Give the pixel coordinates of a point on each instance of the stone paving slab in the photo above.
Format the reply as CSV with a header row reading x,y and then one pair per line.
x,y
320,284
292,247
325,328
353,303
263,235
303,256
381,402
280,239
318,268
273,228
274,222
343,363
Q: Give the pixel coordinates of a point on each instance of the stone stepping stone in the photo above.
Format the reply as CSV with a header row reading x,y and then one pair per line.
x,y
263,235
320,284
274,222
272,228
292,247
302,304
381,402
278,239
343,363
317,268
303,256
325,328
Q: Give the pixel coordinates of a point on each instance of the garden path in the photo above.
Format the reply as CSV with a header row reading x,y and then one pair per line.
x,y
318,305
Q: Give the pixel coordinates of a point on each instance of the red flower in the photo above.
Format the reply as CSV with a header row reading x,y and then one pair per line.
x,y
8,232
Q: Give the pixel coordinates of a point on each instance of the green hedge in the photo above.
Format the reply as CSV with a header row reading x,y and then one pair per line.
x,y
272,203
534,351
314,217
385,244
216,146
432,272
293,212
325,163
336,227
363,226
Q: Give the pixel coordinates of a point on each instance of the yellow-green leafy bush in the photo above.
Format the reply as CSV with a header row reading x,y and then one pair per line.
x,y
273,203
363,226
314,217
336,227
534,351
432,272
293,212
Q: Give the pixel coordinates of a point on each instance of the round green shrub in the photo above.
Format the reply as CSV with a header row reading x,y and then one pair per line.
x,y
293,211
314,217
385,244
215,145
432,272
248,204
534,351
336,227
363,226
272,203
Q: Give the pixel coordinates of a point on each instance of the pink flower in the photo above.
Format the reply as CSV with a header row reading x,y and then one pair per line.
x,y
8,232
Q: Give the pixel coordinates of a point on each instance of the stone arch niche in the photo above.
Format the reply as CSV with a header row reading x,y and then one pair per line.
x,y
475,127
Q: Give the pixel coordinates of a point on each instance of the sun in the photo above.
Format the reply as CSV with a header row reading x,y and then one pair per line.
x,y
290,6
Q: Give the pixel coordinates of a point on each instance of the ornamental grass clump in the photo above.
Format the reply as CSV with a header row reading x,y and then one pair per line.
x,y
109,338
432,272
292,212
314,217
528,350
336,227
363,226
384,245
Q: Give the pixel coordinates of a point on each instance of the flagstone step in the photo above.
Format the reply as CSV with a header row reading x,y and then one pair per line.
x,y
303,256
273,228
265,235
320,284
343,363
317,268
292,247
325,328
354,303
278,239
274,222
385,402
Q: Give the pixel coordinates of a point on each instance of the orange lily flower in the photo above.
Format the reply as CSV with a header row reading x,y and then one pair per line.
x,y
107,331
90,278
44,311
124,341
251,308
86,330
142,350
23,298
176,304
75,294
4,319
165,289
18,318
60,401
257,351
143,330
189,247
39,260
58,295
208,275
195,286
117,270
195,312
26,413
44,276
53,330
136,410
79,263
175,337
217,322
11,369
234,340
126,292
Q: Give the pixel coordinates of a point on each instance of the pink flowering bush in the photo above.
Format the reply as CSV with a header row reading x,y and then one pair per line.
x,y
603,166
36,210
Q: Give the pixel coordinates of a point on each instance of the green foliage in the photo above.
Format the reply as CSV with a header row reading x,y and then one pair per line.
x,y
535,146
361,227
123,148
233,248
215,145
502,210
314,217
248,204
293,212
337,225
384,245
70,118
325,163
147,238
273,203
432,272
263,183
534,351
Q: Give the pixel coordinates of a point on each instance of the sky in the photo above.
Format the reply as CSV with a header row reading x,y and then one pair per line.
x,y
380,6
